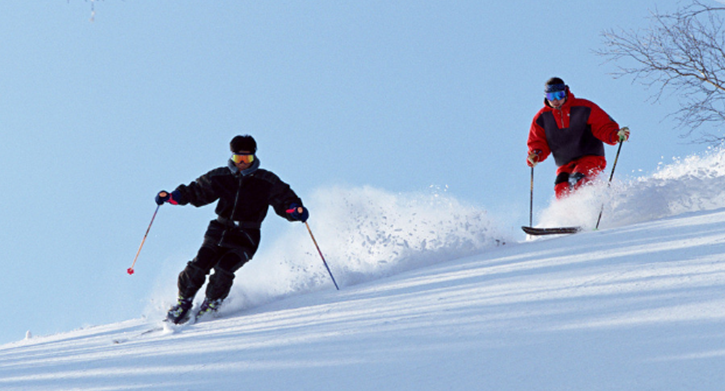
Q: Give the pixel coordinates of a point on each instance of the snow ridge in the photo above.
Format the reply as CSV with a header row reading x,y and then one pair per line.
x,y
640,307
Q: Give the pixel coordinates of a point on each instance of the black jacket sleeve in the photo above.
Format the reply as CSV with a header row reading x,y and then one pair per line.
x,y
281,196
201,191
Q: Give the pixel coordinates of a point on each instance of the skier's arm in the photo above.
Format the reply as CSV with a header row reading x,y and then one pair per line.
x,y
199,192
603,126
285,202
537,141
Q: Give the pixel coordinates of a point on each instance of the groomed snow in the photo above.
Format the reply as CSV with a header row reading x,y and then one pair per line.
x,y
436,296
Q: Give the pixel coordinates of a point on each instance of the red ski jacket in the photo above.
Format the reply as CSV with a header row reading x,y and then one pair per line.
x,y
575,130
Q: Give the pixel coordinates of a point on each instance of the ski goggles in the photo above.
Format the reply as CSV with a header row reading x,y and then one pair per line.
x,y
556,95
243,158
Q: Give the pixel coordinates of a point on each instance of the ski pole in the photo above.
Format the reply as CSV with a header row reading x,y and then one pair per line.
x,y
531,200
130,269
610,182
321,256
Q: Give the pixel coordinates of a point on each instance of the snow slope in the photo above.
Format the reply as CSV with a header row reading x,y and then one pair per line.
x,y
437,302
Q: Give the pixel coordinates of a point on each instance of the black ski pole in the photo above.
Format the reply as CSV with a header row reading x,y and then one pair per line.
x,y
531,200
610,182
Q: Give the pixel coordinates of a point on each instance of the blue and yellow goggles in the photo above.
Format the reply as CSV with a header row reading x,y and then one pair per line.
x,y
556,95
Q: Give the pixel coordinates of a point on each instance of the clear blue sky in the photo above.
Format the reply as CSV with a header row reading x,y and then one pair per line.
x,y
96,117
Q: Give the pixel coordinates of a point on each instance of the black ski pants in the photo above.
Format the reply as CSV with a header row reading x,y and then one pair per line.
x,y
223,260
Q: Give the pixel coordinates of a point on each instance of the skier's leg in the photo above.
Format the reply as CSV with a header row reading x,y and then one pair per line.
x,y
586,169
193,276
190,281
562,187
220,283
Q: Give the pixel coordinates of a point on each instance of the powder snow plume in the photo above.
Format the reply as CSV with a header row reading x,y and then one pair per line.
x,y
364,234
695,183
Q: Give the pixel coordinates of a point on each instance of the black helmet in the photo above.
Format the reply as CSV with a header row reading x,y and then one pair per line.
x,y
243,143
555,84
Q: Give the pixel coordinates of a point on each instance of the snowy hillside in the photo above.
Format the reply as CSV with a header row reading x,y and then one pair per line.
x,y
432,299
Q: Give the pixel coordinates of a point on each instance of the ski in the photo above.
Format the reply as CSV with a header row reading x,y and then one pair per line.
x,y
138,335
551,231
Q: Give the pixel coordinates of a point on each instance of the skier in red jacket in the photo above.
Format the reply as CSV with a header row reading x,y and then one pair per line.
x,y
574,131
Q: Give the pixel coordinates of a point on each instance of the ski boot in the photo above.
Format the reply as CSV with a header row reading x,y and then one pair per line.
x,y
208,307
180,312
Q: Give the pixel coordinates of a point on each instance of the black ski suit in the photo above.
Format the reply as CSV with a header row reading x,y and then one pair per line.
x,y
233,237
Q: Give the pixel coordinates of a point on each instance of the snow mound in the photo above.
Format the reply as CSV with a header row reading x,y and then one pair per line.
x,y
364,234
695,183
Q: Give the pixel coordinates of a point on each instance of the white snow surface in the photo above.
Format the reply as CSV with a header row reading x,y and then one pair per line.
x,y
436,295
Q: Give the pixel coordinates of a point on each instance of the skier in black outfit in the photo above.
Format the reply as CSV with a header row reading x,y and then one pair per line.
x,y
244,193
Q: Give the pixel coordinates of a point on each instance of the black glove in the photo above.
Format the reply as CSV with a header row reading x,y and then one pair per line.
x,y
298,212
165,196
